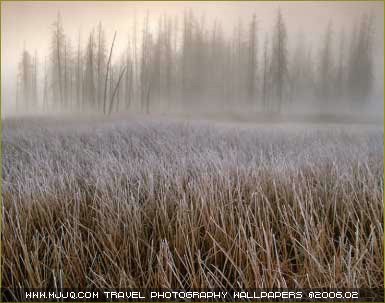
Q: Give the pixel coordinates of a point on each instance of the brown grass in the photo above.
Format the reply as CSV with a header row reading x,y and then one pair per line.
x,y
226,222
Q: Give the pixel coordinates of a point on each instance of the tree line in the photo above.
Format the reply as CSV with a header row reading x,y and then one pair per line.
x,y
191,63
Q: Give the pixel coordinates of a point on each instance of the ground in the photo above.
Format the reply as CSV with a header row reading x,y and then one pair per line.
x,y
143,202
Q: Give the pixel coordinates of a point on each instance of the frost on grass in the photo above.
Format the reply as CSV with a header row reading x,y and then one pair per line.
x,y
172,204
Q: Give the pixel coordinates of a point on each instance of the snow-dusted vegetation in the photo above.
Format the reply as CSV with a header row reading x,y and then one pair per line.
x,y
188,204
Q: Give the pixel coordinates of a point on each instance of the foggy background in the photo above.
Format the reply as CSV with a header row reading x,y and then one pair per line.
x,y
29,25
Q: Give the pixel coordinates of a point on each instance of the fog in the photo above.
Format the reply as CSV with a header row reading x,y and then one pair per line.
x,y
203,59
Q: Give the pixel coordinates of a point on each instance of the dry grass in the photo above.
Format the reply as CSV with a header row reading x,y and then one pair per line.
x,y
160,204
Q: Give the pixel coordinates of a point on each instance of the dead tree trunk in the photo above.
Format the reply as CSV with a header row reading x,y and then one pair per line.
x,y
116,89
108,68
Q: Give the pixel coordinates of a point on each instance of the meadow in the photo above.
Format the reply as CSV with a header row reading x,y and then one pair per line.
x,y
141,203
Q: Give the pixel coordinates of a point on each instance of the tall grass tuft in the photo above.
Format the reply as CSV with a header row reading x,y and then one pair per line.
x,y
156,204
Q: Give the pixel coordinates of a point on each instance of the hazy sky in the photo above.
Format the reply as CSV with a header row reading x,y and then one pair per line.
x,y
30,23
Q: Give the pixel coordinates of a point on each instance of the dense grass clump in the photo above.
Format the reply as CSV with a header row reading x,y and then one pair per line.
x,y
171,204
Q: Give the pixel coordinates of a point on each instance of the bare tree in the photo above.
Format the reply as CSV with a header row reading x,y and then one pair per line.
x,y
168,57
101,58
135,79
89,73
252,60
360,78
18,92
45,88
34,84
340,77
106,78
116,88
26,77
265,73
57,50
78,77
279,62
128,91
144,69
65,95
326,67
299,84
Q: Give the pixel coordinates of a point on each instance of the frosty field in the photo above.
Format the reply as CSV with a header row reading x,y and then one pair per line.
x,y
139,203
